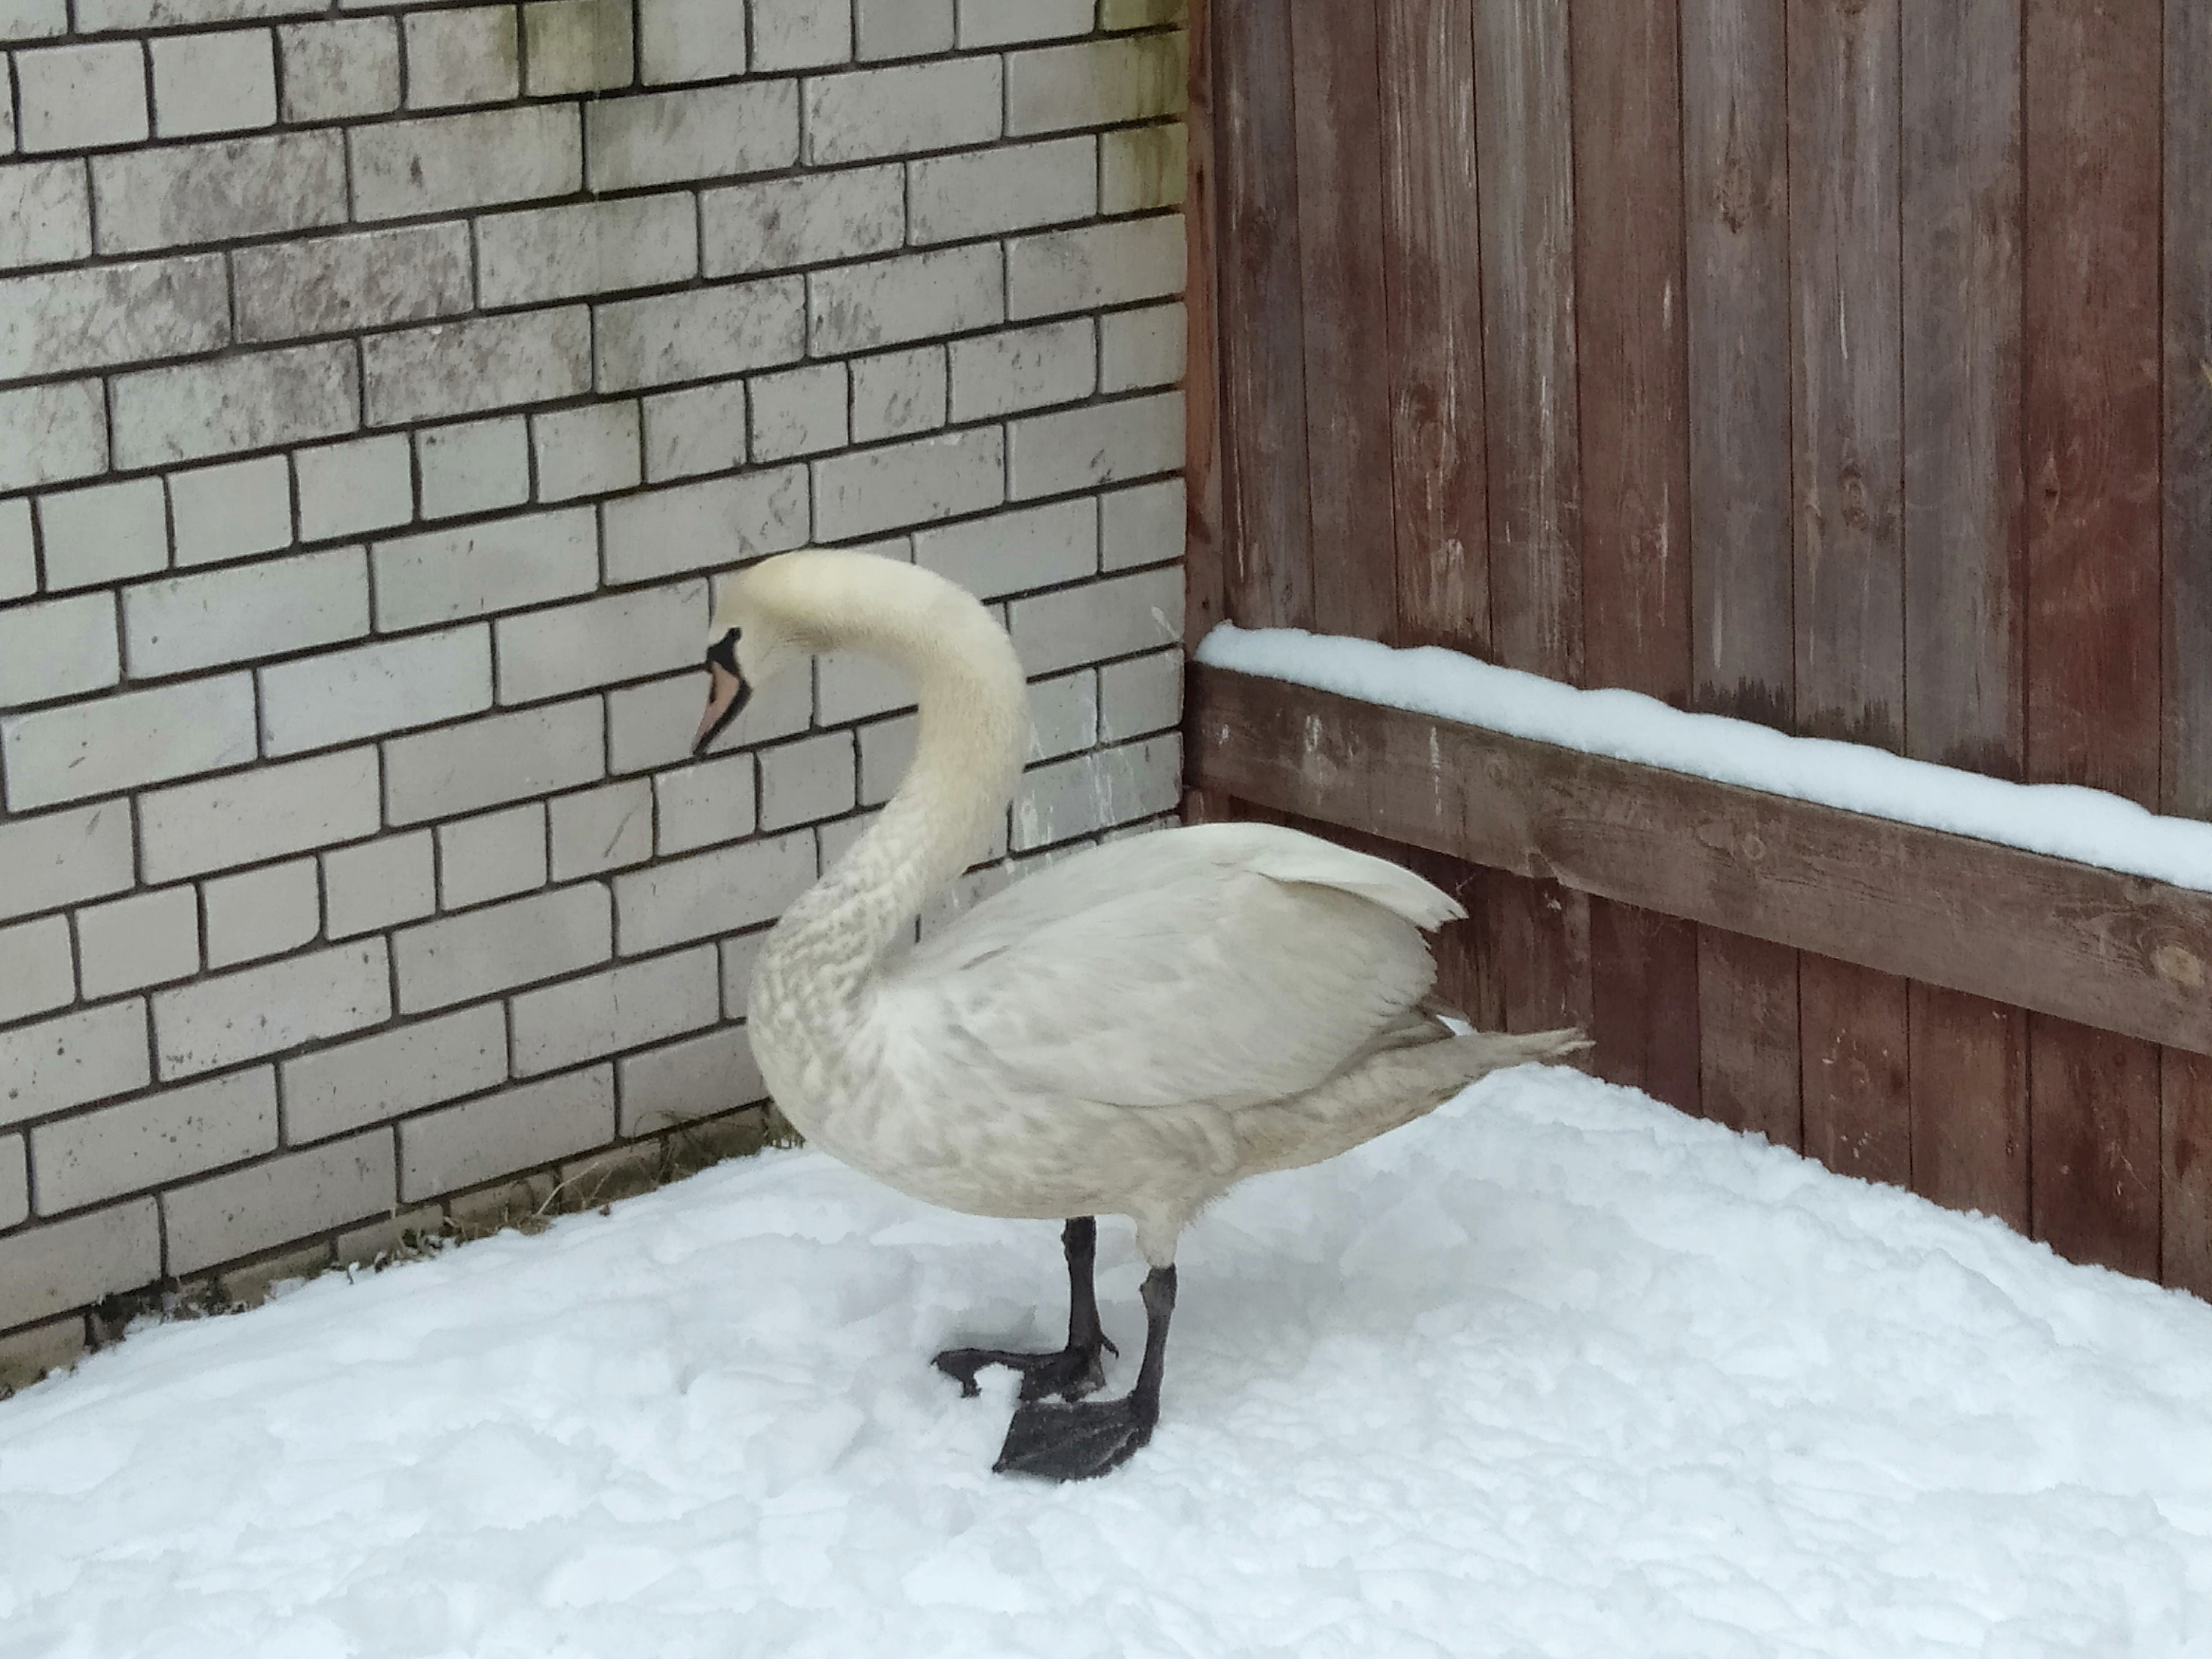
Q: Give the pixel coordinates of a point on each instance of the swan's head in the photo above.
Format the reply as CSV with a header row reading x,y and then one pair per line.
x,y
748,645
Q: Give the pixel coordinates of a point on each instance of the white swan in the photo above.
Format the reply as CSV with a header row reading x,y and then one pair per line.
x,y
1130,1032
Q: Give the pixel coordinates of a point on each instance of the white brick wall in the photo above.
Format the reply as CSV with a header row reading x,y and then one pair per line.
x,y
381,385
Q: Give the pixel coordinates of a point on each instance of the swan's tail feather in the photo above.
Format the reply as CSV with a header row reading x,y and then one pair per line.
x,y
1389,1087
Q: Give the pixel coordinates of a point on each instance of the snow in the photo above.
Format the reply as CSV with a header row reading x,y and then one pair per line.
x,y
1554,1372
2087,825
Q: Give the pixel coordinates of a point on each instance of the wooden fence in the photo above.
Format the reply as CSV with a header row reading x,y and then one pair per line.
x,y
1844,365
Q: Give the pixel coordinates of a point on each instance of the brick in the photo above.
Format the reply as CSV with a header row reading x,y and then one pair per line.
x,y
678,138
701,333
1142,169
471,56
1139,349
1100,443
64,858
45,213
705,803
1096,265
707,525
32,20
349,487
19,557
221,82
74,1060
689,39
341,284
700,429
262,913
38,971
80,97
1098,83
193,194
272,1203
271,812
474,466
14,1206
1019,368
602,830
789,35
488,762
912,482
127,742
903,29
491,857
1064,715
987,192
341,69
262,401
1141,14
426,1062
1015,552
47,1270
625,1007
868,113
263,609
1143,526
897,394
153,1141
592,451
231,511
578,46
603,641
803,781
67,321
710,893
543,1122
1140,696
652,725
799,412
1117,618
704,1076
98,535
485,363
225,1021
378,884
739,957
918,296
52,433
1096,791
455,163
886,751
57,649
147,939
480,570
803,221
1014,23
101,16
590,248
372,689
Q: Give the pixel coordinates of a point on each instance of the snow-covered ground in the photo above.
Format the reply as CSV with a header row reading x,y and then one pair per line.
x,y
1555,1372
2087,825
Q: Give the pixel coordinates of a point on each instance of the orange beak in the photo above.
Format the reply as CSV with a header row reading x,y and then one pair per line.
x,y
727,696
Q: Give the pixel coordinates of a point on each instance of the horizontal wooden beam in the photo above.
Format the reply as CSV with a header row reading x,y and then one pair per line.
x,y
2115,951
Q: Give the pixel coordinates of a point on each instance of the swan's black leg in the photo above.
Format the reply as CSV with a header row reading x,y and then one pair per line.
x,y
1075,1442
1078,1369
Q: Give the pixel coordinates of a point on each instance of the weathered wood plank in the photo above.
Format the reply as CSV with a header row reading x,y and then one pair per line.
x,y
2094,1157
1525,155
1338,94
1748,1072
1736,176
1205,592
1432,251
1466,968
1969,1104
1848,417
1644,1002
1263,397
2113,950
2185,1215
1540,940
1858,1110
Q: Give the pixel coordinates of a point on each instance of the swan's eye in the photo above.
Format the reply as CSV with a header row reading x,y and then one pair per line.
x,y
725,654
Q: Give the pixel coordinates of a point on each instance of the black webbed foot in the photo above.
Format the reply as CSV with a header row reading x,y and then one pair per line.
x,y
1070,1374
1075,1442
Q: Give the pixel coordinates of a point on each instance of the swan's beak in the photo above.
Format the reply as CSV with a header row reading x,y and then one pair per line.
x,y
727,696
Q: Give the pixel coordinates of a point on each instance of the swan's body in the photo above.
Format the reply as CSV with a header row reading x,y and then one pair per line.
x,y
1131,1031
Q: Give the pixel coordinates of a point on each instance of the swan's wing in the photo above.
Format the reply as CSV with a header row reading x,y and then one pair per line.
x,y
1176,977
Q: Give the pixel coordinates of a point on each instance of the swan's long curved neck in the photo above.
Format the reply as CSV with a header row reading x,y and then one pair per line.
x,y
972,739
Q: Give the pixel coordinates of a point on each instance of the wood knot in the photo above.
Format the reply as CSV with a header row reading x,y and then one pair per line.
x,y
2178,965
